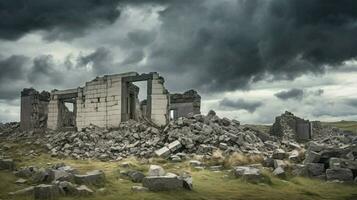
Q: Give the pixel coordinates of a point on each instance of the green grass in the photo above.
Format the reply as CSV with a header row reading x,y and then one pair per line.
x,y
207,184
344,125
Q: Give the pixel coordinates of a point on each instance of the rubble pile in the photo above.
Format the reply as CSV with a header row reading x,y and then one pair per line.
x,y
196,134
8,128
331,156
329,162
54,181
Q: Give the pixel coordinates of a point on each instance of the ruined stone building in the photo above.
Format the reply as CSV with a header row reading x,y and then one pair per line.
x,y
106,101
290,125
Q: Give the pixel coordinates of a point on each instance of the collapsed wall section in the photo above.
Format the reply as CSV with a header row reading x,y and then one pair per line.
x,y
290,126
34,109
183,104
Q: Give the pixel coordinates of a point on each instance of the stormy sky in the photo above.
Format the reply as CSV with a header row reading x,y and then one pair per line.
x,y
249,59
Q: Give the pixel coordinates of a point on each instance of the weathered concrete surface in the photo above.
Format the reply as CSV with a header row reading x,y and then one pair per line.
x,y
161,183
95,177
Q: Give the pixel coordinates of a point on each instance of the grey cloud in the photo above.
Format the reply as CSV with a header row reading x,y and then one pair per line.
x,y
12,68
229,44
43,70
101,60
351,102
294,93
62,19
240,104
134,57
141,37
318,92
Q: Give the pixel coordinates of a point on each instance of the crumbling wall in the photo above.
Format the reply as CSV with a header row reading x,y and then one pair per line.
x,y
100,102
158,100
183,104
290,126
106,101
34,109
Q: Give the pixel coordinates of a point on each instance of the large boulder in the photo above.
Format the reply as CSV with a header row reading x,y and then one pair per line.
x,y
162,183
60,175
341,174
96,177
315,169
135,176
251,174
46,192
312,157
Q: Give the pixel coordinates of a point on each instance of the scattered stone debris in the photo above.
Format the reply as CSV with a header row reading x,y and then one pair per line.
x,y
58,179
95,177
332,157
159,180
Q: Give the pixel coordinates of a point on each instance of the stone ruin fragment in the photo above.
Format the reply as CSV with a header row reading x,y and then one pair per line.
x,y
106,102
34,109
289,126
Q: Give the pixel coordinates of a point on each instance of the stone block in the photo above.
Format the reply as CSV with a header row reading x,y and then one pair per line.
x,y
163,152
341,174
174,146
95,177
46,192
162,183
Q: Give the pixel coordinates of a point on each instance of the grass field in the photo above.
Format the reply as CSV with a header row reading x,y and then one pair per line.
x,y
207,184
344,125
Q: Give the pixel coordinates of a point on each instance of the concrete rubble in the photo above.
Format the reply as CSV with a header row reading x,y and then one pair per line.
x,y
48,186
198,134
331,158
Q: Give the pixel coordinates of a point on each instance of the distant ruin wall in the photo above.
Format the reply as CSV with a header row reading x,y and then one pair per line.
x,y
290,126
183,104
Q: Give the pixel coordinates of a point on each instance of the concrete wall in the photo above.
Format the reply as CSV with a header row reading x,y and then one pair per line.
x,y
104,101
183,104
100,102
183,109
158,100
303,130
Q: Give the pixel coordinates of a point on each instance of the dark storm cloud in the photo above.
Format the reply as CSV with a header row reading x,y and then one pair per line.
x,y
100,60
227,45
240,104
134,57
12,68
62,19
44,70
294,93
